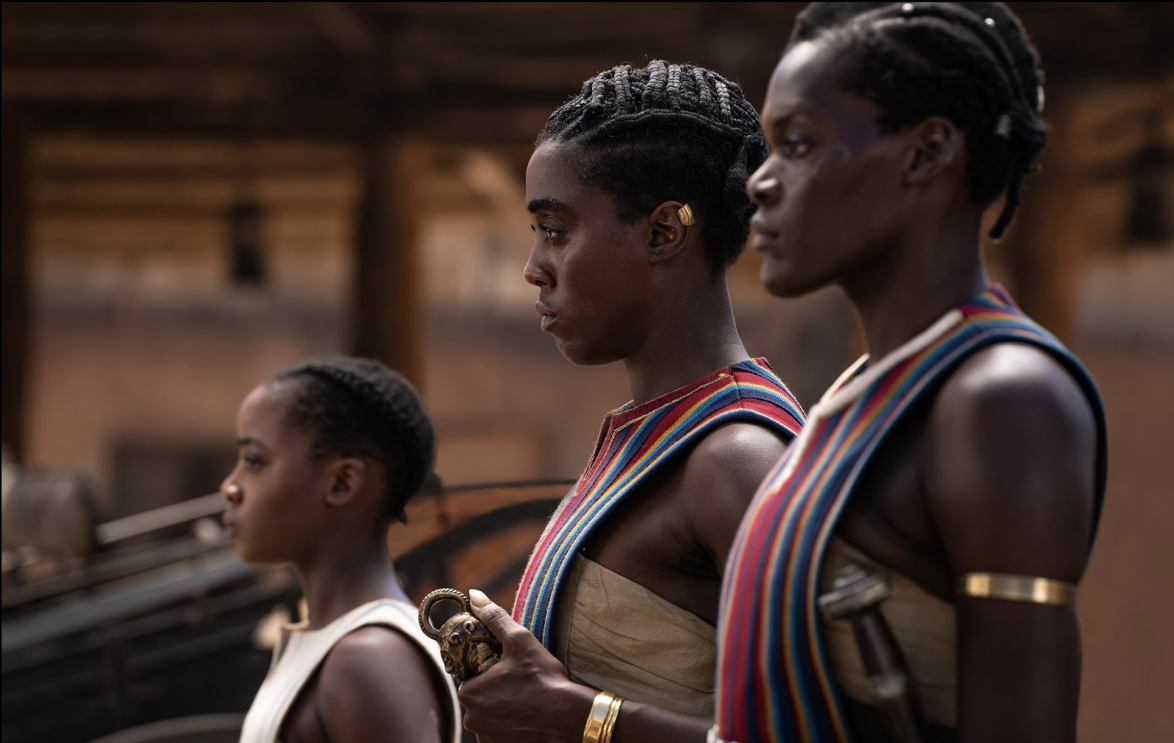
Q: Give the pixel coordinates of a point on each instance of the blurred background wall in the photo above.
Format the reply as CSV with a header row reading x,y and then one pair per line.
x,y
197,194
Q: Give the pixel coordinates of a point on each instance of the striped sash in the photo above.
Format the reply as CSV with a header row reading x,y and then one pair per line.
x,y
634,442
773,679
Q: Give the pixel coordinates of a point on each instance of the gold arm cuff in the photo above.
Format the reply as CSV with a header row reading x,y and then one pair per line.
x,y
597,719
1026,588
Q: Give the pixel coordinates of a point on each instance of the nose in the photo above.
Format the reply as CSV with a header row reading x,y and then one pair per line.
x,y
535,272
762,187
231,492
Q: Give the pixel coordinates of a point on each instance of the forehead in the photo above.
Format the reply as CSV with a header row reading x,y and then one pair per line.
x,y
807,81
261,413
553,170
557,173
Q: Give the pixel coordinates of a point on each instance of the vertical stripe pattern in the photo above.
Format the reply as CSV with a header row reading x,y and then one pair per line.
x,y
773,679
633,443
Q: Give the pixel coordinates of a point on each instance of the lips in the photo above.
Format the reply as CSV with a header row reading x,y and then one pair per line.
x,y
762,241
231,528
761,236
548,315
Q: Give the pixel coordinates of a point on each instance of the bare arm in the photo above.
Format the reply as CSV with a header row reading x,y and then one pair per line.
x,y
528,696
376,685
722,475
1010,481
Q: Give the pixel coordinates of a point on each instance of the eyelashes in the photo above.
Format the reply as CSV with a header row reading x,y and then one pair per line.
x,y
547,233
795,147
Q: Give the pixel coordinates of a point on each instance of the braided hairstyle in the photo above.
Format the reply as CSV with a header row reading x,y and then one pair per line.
x,y
969,62
669,132
360,408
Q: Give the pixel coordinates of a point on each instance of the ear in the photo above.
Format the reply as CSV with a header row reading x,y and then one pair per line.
x,y
347,477
668,234
936,144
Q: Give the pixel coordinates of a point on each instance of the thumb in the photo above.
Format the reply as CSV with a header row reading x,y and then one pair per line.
x,y
495,618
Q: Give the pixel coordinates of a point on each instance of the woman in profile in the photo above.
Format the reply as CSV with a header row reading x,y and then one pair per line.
x,y
965,455
329,452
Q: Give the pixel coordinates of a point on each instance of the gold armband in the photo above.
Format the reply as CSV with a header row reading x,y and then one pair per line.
x,y
605,710
1026,588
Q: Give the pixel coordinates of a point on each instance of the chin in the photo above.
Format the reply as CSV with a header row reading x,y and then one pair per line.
x,y
783,281
585,354
252,557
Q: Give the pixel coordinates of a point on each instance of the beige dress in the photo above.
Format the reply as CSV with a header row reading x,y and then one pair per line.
x,y
923,624
300,651
615,635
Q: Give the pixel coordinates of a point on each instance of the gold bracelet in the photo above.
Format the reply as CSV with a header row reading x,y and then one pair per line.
x,y
613,714
1028,588
600,712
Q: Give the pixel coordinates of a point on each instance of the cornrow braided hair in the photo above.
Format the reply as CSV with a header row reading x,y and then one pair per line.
x,y
360,408
669,132
969,62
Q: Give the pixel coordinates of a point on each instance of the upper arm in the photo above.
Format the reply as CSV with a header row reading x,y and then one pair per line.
x,y
1010,483
721,476
376,685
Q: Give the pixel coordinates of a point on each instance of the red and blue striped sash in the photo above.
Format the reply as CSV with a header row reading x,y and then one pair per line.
x,y
634,442
773,680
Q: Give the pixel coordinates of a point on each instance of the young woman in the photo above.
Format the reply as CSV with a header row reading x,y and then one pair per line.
x,y
965,455
636,192
330,451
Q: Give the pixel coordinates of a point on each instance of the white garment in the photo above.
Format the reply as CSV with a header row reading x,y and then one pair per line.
x,y
300,651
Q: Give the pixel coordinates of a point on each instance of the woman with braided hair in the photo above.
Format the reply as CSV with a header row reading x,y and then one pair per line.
x,y
330,451
964,457
636,192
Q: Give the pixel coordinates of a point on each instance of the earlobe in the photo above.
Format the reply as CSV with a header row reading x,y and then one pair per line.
x,y
346,480
935,145
668,232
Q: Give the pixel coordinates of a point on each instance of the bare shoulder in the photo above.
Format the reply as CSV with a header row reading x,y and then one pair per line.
x,y
721,476
364,651
736,452
376,684
1011,466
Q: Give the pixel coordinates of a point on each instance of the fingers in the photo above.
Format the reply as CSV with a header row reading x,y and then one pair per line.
x,y
478,599
497,619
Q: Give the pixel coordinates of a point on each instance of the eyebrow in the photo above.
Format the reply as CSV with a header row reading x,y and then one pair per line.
x,y
782,120
548,205
246,440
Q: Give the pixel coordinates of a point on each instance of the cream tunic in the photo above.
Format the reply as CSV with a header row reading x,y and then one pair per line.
x,y
923,625
300,651
615,635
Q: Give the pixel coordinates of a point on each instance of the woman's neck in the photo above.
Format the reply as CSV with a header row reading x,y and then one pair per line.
x,y
907,287
345,576
695,336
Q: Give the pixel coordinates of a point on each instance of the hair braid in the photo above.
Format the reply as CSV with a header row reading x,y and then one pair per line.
x,y
623,87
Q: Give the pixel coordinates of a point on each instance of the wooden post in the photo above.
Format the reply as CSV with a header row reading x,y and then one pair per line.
x,y
386,321
14,293
1048,247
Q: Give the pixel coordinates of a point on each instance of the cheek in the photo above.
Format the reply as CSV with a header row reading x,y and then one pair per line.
x,y
598,278
277,505
838,204
828,164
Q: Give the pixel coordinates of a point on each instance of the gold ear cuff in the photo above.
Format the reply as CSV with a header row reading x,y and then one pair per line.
x,y
686,215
